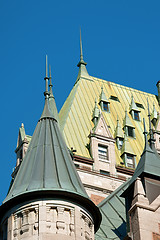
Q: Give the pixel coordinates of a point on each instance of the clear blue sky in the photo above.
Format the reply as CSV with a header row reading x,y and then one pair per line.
x,y
121,43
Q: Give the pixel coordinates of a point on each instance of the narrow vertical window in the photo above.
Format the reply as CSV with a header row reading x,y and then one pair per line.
x,y
103,153
130,161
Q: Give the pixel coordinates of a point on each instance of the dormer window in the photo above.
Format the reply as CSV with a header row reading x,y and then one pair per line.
x,y
105,106
128,128
134,111
130,132
103,102
136,115
102,153
120,142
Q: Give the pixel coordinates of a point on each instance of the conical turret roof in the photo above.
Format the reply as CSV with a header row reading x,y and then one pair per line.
x,y
47,169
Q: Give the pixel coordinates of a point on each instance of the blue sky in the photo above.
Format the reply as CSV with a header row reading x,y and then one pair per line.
x,y
121,43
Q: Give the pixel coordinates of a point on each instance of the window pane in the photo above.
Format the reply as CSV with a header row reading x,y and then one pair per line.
x,y
130,131
120,142
105,107
102,152
136,115
130,161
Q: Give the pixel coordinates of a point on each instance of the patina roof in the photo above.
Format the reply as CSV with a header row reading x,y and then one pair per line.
x,y
113,225
76,113
47,164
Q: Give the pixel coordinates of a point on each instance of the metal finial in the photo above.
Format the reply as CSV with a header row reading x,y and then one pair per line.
x,y
46,66
50,77
81,51
151,140
46,93
145,132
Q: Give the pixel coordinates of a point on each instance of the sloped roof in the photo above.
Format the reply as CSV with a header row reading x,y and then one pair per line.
x,y
47,164
76,113
47,168
113,225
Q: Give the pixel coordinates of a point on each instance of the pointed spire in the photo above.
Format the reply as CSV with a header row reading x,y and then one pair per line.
x,y
46,93
81,51
127,121
52,103
46,111
151,139
96,113
133,105
50,83
154,115
96,110
103,96
82,65
119,132
145,134
126,147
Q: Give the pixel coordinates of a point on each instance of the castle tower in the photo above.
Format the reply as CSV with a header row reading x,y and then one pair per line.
x,y
47,199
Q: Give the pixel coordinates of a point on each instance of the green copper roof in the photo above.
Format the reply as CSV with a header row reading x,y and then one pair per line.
x,y
119,131
113,225
103,96
47,168
47,164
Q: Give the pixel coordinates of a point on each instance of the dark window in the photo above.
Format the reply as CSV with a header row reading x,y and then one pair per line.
x,y
139,105
136,115
130,161
105,106
130,132
102,152
104,172
76,165
114,98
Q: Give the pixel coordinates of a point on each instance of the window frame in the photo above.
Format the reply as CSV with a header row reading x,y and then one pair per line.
x,y
103,157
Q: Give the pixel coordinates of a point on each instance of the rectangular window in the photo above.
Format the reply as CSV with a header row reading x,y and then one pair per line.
x,y
120,143
130,132
140,105
114,98
105,106
104,172
136,115
103,153
130,161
